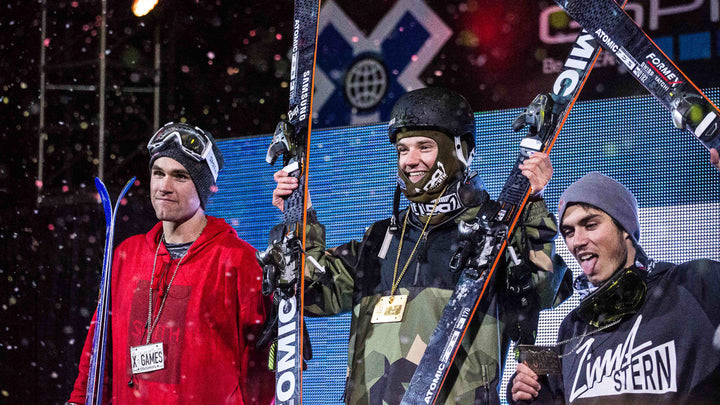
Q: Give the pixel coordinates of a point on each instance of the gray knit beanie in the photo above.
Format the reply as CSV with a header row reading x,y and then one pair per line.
x,y
606,194
200,172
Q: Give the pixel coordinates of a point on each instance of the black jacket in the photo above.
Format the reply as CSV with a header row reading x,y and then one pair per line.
x,y
664,354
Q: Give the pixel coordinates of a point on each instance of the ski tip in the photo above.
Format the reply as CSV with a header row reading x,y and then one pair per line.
x,y
126,188
99,184
104,199
128,185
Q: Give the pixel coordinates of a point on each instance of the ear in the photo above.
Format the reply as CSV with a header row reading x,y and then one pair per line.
x,y
628,240
630,246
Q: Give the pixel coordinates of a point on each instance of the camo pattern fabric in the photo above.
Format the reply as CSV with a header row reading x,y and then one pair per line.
x,y
382,357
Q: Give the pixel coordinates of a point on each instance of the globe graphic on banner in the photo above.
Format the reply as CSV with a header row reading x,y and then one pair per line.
x,y
366,83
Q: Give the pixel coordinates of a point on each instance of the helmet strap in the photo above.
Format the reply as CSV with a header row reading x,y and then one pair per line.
x,y
395,211
459,152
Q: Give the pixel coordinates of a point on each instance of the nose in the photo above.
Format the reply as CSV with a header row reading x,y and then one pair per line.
x,y
164,185
412,157
579,238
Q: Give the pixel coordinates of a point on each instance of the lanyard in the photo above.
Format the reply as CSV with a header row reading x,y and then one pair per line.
x,y
395,282
150,323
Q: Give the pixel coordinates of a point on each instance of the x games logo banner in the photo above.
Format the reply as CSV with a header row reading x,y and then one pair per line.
x,y
360,77
498,54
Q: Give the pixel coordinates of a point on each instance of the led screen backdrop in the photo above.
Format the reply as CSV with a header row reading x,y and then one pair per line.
x,y
352,180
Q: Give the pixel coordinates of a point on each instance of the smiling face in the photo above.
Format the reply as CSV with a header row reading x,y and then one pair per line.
x,y
172,191
596,242
416,155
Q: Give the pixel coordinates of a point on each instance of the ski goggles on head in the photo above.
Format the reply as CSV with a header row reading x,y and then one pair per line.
x,y
193,142
620,296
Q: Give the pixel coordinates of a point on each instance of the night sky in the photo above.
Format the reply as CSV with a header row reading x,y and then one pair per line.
x,y
223,69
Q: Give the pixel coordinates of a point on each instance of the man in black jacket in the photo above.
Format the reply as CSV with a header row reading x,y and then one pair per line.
x,y
644,331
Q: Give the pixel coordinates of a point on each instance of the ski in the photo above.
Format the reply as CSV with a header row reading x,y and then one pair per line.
x,y
616,31
484,240
283,261
94,390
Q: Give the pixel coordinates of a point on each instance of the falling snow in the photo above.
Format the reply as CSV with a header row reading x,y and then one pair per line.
x,y
51,226
224,66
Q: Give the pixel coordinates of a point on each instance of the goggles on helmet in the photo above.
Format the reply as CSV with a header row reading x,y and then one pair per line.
x,y
193,142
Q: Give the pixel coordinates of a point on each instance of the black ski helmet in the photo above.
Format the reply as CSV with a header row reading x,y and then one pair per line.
x,y
438,109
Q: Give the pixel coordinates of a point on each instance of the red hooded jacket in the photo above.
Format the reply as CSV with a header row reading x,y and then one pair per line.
x,y
209,324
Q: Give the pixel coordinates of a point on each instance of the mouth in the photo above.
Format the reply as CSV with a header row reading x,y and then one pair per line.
x,y
164,200
416,175
587,261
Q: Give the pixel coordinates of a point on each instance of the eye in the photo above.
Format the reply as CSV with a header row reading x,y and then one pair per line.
x,y
566,232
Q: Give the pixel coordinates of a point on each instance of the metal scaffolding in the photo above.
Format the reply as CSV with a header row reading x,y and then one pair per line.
x,y
98,88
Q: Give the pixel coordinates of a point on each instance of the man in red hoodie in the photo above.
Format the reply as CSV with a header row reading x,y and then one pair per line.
x,y
190,284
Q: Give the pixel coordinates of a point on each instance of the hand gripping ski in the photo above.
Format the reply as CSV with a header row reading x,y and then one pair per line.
x,y
283,261
483,241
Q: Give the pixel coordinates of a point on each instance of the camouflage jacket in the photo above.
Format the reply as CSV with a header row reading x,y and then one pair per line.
x,y
382,357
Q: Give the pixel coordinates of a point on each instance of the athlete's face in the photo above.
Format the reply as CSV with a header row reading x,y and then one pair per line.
x,y
416,155
172,191
599,246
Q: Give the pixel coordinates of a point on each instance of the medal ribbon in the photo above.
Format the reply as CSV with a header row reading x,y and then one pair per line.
x,y
395,282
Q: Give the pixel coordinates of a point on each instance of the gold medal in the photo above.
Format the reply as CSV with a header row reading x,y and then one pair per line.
x,y
389,309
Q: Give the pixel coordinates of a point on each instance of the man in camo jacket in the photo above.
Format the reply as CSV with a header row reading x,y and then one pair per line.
x,y
407,258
